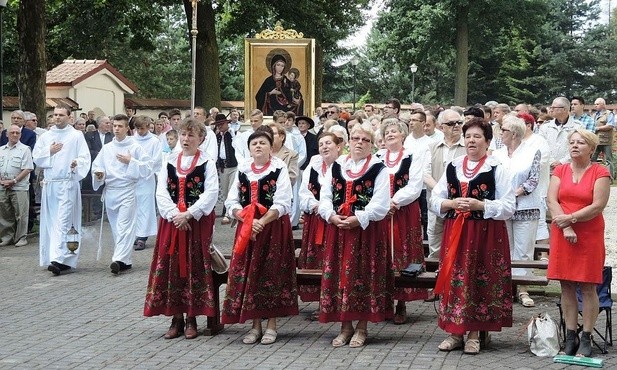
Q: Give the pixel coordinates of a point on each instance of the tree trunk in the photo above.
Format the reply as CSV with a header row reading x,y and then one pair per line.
x,y
462,55
32,59
208,84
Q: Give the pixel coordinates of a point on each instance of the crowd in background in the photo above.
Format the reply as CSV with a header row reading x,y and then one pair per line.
x,y
365,187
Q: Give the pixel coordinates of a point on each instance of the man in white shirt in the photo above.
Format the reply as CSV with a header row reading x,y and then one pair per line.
x,y
15,167
63,155
240,142
417,143
146,186
120,165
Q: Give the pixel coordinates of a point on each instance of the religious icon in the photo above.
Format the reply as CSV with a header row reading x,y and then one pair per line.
x,y
279,72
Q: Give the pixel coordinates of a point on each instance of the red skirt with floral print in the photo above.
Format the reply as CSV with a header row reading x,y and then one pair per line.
x,y
262,281
311,252
169,294
481,286
407,248
357,281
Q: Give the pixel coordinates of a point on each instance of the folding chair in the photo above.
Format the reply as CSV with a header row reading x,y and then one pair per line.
x,y
606,305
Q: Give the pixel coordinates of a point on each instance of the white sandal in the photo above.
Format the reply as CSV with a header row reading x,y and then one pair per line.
x,y
451,343
523,297
252,336
269,337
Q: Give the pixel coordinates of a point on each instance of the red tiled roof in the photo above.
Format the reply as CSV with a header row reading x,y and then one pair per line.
x,y
12,103
73,71
139,103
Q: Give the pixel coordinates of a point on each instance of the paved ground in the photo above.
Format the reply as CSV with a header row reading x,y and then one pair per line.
x,y
92,319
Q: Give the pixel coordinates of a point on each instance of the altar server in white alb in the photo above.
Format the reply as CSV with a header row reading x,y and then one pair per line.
x,y
146,186
62,153
120,165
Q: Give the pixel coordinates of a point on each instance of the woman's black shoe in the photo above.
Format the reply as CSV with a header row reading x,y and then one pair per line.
x,y
572,342
585,348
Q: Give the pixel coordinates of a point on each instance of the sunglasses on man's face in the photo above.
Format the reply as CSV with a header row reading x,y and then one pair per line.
x,y
453,123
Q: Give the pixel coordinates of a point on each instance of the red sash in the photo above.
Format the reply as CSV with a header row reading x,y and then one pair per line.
x,y
443,284
248,214
180,236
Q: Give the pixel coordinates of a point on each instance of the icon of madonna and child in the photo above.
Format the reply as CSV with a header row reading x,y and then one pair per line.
x,y
280,90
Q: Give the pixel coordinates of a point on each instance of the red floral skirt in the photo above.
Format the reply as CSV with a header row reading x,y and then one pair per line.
x,y
407,230
311,252
262,281
168,293
481,285
357,281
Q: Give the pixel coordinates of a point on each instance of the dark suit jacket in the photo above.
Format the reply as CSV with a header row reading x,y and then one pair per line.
x,y
28,137
93,140
311,148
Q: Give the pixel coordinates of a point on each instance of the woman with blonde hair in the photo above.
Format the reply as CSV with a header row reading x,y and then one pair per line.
x,y
404,226
577,195
357,281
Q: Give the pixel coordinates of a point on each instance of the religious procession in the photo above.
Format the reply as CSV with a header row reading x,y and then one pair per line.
x,y
360,207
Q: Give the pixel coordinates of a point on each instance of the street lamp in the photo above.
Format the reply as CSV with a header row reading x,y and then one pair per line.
x,y
354,63
414,69
2,6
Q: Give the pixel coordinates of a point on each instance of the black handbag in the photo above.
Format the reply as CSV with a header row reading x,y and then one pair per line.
x,y
413,270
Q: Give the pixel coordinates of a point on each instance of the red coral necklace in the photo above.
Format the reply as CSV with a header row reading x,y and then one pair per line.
x,y
191,167
355,175
393,163
471,173
258,171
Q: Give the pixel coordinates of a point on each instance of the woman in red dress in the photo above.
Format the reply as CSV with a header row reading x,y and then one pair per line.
x,y
311,252
181,272
475,197
358,281
262,272
577,194
404,221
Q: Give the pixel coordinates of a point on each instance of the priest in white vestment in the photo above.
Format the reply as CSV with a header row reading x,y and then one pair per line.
x,y
120,165
62,153
146,186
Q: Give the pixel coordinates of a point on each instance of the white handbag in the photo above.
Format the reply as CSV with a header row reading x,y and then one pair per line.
x,y
543,335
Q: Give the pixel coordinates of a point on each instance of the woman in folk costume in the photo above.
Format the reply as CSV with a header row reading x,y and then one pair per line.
x,y
262,272
404,223
358,281
311,252
181,279
475,197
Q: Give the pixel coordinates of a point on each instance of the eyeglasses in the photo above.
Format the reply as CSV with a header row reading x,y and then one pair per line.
x,y
540,122
388,106
453,123
556,107
332,112
363,139
505,130
416,120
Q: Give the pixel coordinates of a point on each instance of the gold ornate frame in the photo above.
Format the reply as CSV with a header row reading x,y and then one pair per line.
x,y
297,51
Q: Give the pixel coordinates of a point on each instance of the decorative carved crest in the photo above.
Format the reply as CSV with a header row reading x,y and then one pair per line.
x,y
279,33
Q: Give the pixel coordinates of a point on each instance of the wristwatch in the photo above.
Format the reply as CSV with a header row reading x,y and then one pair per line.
x,y
573,221
15,181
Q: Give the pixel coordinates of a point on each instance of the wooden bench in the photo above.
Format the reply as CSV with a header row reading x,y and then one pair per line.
x,y
424,280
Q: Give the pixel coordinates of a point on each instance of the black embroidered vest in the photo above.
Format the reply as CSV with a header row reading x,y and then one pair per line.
x,y
266,187
362,187
193,187
313,184
230,153
481,188
401,177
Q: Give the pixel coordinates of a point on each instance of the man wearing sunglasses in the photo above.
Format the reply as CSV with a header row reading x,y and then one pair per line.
x,y
441,154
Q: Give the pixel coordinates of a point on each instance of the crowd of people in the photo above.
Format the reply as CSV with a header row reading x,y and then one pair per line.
x,y
366,188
